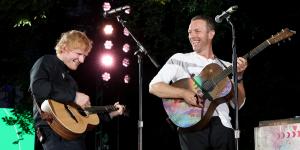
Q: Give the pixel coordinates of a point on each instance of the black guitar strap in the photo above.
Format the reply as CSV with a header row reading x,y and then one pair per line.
x,y
221,62
42,114
35,102
39,131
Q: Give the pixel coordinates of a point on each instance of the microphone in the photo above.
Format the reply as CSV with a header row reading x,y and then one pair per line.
x,y
225,14
112,11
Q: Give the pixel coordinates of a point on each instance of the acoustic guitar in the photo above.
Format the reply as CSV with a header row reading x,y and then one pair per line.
x,y
69,120
211,84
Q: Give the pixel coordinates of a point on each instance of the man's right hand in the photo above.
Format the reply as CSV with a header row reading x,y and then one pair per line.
x,y
82,100
192,98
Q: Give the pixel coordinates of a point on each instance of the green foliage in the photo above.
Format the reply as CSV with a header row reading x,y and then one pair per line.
x,y
163,2
22,117
20,13
23,22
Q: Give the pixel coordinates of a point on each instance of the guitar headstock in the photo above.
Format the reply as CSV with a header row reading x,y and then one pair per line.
x,y
284,34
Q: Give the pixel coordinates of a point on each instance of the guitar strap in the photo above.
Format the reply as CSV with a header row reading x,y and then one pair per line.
x,y
35,102
37,105
44,116
221,62
225,68
39,131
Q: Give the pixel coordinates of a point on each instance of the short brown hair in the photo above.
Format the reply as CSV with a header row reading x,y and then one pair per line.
x,y
74,39
209,21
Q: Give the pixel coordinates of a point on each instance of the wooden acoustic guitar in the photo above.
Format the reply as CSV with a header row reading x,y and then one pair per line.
x,y
211,84
69,120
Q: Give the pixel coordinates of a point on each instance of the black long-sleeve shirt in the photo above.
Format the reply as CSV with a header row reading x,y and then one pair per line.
x,y
49,79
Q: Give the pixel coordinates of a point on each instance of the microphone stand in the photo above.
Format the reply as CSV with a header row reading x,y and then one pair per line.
x,y
139,53
235,84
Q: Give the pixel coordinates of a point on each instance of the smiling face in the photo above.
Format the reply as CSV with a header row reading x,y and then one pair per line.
x,y
73,58
72,48
200,35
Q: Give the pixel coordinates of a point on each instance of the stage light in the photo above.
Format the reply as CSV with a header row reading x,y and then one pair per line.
x,y
107,60
127,11
108,44
113,45
126,79
106,76
106,6
126,47
108,29
125,62
126,32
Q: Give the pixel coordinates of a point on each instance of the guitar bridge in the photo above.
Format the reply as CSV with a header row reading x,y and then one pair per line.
x,y
70,113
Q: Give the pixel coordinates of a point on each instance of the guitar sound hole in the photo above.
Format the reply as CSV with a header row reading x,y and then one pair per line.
x,y
82,112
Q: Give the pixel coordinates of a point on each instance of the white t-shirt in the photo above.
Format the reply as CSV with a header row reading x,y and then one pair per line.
x,y
181,66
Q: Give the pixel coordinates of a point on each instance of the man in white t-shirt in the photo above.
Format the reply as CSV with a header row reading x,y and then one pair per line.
x,y
217,133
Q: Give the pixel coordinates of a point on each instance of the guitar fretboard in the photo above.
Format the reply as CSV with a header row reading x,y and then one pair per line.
x,y
256,50
101,109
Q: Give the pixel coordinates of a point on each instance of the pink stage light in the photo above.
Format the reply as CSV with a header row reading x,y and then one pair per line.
x,y
106,6
108,44
108,29
106,76
126,79
125,62
107,60
126,47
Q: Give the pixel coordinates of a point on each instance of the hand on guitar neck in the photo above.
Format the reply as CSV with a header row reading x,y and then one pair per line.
x,y
83,101
120,110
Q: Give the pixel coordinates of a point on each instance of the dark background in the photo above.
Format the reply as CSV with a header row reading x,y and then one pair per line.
x,y
271,80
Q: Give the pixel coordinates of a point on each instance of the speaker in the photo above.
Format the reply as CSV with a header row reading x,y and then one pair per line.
x,y
282,134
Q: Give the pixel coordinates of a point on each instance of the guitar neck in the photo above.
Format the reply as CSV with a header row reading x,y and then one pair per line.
x,y
257,50
100,109
249,55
